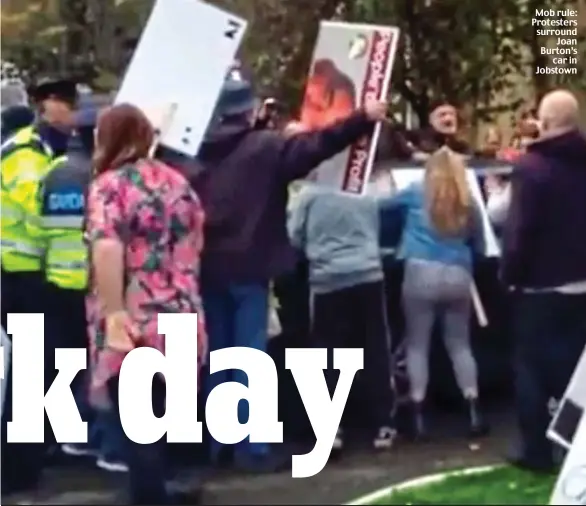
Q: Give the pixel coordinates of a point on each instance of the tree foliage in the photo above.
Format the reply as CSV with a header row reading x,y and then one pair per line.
x,y
464,51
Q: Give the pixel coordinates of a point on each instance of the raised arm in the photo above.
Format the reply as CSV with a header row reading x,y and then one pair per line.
x,y
300,154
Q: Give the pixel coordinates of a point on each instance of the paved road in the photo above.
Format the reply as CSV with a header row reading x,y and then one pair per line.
x,y
358,473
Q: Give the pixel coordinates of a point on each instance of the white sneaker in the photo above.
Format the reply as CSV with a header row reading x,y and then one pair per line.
x,y
77,450
338,441
385,438
111,466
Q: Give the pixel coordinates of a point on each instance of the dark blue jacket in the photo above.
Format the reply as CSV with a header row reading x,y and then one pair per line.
x,y
243,186
54,137
14,118
544,242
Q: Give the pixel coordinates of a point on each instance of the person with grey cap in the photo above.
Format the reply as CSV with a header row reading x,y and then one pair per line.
x,y
16,113
243,186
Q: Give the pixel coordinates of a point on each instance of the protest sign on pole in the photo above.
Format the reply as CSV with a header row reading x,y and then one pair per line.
x,y
570,488
351,64
571,408
183,56
568,429
6,345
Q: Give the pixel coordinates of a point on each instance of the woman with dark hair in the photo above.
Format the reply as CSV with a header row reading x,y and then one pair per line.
x,y
144,227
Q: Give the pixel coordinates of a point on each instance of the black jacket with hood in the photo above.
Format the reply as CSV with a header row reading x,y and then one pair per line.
x,y
243,185
545,233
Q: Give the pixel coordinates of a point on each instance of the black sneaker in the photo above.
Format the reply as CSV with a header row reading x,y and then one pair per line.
x,y
526,464
478,427
385,438
265,463
419,431
192,498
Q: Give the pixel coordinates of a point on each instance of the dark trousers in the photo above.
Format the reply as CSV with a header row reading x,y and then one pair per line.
x,y
66,327
292,291
147,464
550,336
356,317
22,463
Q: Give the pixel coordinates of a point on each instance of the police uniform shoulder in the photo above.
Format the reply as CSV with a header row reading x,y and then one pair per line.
x,y
58,166
63,172
25,137
26,133
21,136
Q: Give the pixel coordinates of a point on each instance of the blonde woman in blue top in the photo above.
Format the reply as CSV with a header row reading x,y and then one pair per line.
x,y
442,233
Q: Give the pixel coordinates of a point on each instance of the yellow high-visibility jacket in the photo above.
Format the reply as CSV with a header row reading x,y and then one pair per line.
x,y
25,159
61,201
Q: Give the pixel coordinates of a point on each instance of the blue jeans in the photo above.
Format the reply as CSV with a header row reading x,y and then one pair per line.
x,y
236,316
147,463
107,436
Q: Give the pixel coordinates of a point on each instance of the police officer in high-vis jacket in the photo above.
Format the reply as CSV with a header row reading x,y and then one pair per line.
x,y
61,200
25,160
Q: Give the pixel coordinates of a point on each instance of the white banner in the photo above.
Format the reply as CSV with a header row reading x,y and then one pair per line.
x,y
4,366
570,488
571,408
568,429
181,61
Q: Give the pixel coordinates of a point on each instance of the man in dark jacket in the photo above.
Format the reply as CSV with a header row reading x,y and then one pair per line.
x,y
442,130
243,186
544,259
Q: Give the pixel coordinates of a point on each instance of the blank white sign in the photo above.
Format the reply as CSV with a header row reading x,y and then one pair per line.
x,y
4,366
405,177
564,422
570,488
183,56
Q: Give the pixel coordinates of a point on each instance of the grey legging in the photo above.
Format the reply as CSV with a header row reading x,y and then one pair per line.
x,y
430,290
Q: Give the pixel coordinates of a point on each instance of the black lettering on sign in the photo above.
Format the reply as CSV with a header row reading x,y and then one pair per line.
x,y
232,30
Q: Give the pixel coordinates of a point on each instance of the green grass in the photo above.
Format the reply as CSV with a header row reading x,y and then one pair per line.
x,y
506,486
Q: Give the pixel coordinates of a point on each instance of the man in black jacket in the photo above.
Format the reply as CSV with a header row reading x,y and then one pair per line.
x,y
544,259
243,186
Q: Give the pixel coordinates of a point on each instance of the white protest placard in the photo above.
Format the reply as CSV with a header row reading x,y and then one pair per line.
x,y
571,408
570,488
6,345
182,59
403,178
351,64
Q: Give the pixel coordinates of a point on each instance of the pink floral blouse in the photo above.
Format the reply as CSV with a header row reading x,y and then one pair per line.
x,y
150,208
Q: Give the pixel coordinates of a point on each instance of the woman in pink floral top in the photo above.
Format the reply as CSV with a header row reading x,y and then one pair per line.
x,y
144,226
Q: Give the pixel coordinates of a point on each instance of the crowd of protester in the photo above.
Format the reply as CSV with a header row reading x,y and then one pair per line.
x,y
166,234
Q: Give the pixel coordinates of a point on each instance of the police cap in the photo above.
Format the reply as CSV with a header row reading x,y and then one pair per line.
x,y
57,88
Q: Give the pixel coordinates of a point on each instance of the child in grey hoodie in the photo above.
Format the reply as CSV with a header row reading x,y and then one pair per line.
x,y
339,234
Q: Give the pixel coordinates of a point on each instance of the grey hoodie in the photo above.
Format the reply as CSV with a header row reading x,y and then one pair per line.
x,y
339,234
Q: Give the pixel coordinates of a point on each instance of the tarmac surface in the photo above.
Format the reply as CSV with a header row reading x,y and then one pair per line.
x,y
357,473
